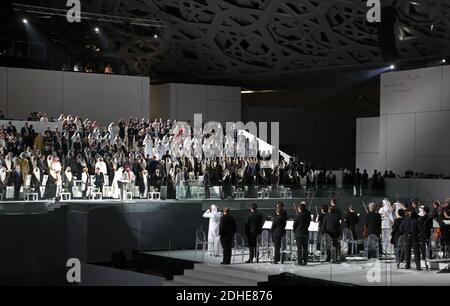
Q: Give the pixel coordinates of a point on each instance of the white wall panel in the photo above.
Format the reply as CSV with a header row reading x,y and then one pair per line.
x,y
446,88
367,161
191,99
224,93
160,101
145,99
102,98
3,90
400,143
411,91
433,164
358,134
34,90
223,111
383,141
370,135
432,133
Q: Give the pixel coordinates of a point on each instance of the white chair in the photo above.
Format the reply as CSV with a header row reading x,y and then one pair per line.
x,y
326,248
264,246
286,193
239,247
154,195
263,193
89,191
42,190
135,191
96,196
200,239
31,197
128,196
310,193
9,192
348,242
372,249
66,196
27,182
288,248
239,194
107,192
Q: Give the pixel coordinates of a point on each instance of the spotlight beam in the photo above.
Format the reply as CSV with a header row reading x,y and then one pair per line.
x,y
32,9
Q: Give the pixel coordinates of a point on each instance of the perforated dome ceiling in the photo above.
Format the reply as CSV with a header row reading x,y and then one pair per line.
x,y
251,41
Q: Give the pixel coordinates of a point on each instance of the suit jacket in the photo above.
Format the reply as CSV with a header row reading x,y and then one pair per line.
x,y
426,224
227,226
206,181
331,225
373,223
396,232
15,179
301,223
253,224
410,226
99,179
279,226
351,220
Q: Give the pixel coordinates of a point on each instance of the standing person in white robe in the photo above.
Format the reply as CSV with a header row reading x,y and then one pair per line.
x,y
102,166
112,132
387,220
214,246
118,175
179,184
158,149
253,147
148,143
397,207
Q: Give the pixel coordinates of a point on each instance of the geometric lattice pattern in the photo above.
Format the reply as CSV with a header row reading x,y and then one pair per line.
x,y
238,40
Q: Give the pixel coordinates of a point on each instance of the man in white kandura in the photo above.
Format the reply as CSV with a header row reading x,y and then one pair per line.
x,y
214,247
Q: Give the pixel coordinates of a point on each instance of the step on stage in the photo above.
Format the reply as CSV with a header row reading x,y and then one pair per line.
x,y
138,205
192,270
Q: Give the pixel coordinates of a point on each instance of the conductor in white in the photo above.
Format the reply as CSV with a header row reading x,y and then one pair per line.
x,y
214,248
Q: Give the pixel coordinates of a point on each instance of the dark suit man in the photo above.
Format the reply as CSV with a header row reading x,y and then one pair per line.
x,y
227,229
227,188
395,237
332,226
16,180
411,228
426,225
372,225
99,179
26,135
352,220
206,184
253,228
301,233
278,231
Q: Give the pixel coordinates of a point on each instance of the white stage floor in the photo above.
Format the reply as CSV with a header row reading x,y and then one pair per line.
x,y
382,273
